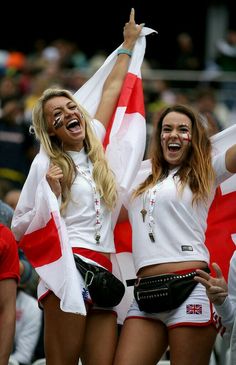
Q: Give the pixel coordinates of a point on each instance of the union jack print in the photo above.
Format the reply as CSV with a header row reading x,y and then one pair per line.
x,y
194,309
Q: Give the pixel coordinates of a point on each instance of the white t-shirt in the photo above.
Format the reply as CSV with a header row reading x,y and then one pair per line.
x,y
179,227
80,215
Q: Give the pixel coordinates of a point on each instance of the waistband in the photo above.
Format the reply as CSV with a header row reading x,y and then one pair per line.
x,y
180,274
95,256
162,278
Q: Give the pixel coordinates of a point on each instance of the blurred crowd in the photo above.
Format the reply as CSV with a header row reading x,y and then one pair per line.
x,y
23,77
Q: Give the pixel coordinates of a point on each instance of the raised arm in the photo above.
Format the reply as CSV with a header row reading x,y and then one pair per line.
x,y
113,84
230,159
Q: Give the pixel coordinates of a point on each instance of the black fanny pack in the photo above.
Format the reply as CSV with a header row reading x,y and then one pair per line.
x,y
161,293
104,288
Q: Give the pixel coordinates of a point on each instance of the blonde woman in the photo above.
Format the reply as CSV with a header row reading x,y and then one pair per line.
x,y
85,187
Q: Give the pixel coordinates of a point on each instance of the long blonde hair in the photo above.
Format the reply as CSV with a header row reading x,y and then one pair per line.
x,y
103,176
196,170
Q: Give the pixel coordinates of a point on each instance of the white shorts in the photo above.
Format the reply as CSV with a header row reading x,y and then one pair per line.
x,y
196,310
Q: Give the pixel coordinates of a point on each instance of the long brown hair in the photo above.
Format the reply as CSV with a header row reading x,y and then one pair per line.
x,y
196,170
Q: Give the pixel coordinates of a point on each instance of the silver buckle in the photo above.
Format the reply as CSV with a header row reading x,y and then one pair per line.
x,y
88,278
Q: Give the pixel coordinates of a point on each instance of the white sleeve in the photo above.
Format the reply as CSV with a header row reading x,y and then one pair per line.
x,y
219,166
27,329
98,129
227,310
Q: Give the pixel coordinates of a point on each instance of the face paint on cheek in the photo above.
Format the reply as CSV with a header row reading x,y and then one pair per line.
x,y
187,137
163,137
57,123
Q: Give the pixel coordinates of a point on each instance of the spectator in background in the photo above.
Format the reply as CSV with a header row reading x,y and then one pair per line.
x,y
9,88
207,106
11,198
226,52
187,58
28,326
28,275
6,213
217,112
225,60
28,316
17,146
9,277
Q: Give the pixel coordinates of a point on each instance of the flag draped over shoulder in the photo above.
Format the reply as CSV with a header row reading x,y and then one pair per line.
x,y
41,232
37,223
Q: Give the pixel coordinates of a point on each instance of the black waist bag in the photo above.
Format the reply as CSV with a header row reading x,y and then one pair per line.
x,y
161,293
104,288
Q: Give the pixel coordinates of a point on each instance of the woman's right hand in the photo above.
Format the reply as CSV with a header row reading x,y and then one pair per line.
x,y
54,177
216,287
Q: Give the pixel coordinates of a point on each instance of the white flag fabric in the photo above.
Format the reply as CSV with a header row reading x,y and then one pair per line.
x,y
42,235
125,138
37,223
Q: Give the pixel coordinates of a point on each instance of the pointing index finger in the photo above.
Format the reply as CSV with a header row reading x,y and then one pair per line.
x,y
131,17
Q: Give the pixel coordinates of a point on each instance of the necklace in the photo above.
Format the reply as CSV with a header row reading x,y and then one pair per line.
x,y
96,200
144,210
149,195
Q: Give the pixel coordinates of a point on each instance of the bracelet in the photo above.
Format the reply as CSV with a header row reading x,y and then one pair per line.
x,y
124,51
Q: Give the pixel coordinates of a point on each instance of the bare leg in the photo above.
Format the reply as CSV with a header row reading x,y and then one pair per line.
x,y
100,338
142,342
63,333
191,345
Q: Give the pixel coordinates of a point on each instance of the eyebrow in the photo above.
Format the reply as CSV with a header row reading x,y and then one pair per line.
x,y
180,125
62,107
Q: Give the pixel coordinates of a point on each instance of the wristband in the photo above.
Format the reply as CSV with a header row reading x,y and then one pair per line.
x,y
124,51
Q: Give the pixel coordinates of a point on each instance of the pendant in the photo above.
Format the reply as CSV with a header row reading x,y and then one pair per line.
x,y
143,212
151,236
97,238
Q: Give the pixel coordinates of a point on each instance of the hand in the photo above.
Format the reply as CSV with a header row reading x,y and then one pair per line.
x,y
54,177
216,288
131,31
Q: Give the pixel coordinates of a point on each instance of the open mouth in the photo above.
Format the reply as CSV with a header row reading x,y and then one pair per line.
x,y
174,147
74,125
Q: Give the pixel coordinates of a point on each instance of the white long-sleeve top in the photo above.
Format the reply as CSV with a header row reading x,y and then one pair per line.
x,y
227,310
28,325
